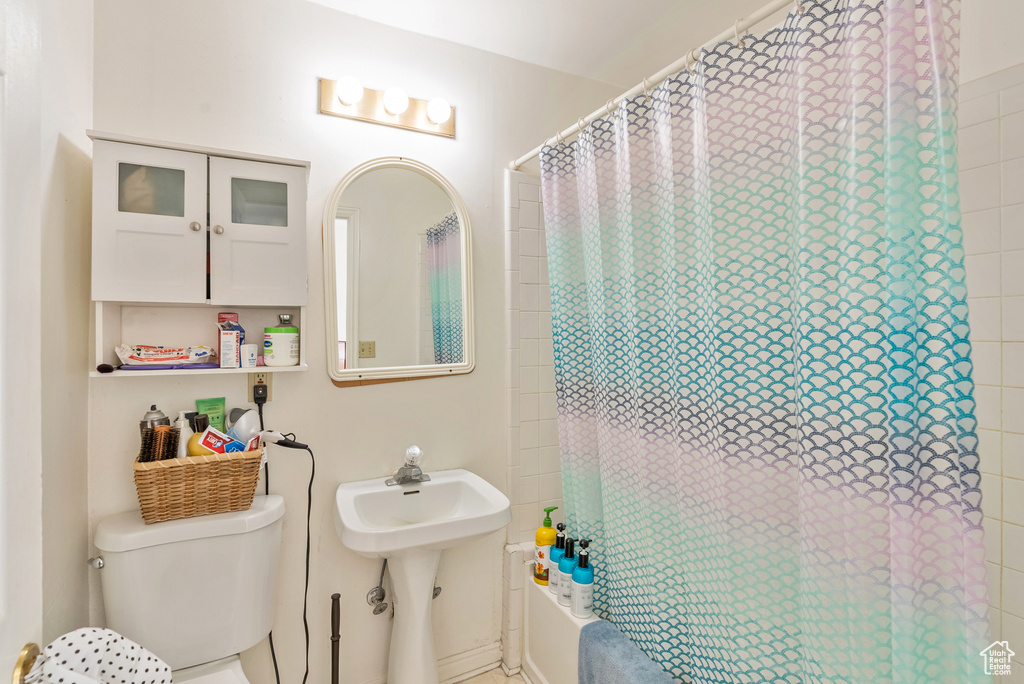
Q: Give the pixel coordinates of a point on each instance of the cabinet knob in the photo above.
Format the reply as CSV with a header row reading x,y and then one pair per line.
x,y
218,229
195,226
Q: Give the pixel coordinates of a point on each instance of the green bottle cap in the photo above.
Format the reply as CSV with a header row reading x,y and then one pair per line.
x,y
547,515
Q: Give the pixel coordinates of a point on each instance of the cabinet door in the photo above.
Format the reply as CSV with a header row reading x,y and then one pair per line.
x,y
148,224
257,234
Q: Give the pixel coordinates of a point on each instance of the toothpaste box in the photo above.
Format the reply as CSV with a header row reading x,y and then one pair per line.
x,y
230,345
219,443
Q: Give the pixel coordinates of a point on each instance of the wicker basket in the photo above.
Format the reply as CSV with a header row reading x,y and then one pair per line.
x,y
197,485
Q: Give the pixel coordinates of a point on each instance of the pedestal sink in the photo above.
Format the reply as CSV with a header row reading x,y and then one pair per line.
x,y
410,525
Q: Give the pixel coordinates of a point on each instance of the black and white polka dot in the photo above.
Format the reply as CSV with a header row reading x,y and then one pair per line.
x,y
62,661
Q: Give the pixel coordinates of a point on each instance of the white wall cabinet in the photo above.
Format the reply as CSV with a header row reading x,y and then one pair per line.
x,y
181,232
163,218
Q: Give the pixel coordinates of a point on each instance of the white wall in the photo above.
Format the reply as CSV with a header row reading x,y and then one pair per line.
x,y
46,93
990,37
67,201
243,75
21,556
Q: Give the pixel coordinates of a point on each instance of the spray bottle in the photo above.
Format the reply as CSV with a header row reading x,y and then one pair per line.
x,y
557,551
582,593
544,539
565,567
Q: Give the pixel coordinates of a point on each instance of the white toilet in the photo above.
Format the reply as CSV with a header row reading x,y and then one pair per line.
x,y
195,592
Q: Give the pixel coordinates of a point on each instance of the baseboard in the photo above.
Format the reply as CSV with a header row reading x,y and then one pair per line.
x,y
509,672
461,666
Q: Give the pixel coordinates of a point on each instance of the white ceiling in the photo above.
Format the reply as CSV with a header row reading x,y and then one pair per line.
x,y
607,40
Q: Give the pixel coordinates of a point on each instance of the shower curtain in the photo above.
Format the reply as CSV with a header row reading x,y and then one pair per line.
x,y
444,270
765,403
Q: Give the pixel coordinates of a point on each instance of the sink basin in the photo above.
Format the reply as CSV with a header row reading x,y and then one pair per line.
x,y
454,507
409,525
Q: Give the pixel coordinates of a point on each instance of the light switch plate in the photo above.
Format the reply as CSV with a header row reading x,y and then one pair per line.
x,y
367,350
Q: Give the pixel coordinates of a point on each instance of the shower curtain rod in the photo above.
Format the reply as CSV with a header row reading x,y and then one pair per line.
x,y
740,27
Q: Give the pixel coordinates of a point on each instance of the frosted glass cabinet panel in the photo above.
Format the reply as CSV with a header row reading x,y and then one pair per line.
x,y
257,233
149,224
150,190
258,202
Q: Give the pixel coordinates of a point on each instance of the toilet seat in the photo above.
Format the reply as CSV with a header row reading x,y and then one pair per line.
x,y
225,671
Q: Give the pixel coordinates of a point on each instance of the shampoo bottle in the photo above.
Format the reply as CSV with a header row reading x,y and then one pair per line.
x,y
582,593
541,551
565,567
557,551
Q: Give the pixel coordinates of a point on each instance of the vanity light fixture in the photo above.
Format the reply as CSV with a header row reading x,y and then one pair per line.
x,y
350,90
348,99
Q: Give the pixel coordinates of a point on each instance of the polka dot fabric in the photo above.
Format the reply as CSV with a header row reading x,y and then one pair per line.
x,y
98,656
763,372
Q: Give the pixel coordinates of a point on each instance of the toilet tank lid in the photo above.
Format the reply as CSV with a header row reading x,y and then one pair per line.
x,y
127,532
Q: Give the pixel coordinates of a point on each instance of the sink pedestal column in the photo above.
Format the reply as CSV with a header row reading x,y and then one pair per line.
x,y
412,659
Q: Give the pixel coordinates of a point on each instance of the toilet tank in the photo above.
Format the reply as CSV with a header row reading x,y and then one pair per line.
x,y
193,590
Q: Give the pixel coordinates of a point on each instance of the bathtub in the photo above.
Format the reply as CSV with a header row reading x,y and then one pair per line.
x,y
551,636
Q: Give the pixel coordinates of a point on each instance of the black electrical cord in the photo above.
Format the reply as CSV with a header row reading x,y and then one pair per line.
x,y
305,595
309,510
260,401
266,484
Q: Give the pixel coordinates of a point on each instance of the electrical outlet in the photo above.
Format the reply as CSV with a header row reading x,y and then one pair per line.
x,y
263,378
367,350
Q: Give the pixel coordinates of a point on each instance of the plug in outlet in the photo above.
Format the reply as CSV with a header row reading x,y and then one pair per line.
x,y
261,379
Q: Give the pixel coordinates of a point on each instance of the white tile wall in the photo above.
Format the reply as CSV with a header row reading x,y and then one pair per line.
x,y
992,199
533,468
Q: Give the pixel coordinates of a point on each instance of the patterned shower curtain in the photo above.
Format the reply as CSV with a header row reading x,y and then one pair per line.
x,y
765,403
444,269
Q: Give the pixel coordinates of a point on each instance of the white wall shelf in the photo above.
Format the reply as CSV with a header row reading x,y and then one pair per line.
x,y
182,325
200,371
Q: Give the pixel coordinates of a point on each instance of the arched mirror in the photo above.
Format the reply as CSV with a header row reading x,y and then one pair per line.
x,y
397,275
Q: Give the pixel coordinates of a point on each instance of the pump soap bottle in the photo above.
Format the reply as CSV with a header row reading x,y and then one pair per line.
x,y
565,567
557,551
582,593
544,539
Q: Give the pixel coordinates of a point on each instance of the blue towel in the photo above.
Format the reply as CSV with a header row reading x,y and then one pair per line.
x,y
607,656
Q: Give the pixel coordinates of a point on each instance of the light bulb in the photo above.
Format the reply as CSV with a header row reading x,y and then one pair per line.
x,y
438,110
349,90
395,101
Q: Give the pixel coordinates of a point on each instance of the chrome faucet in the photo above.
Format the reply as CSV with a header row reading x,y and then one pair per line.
x,y
409,473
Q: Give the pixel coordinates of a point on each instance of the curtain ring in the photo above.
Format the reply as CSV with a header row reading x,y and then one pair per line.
x,y
647,92
609,106
580,125
558,138
798,6
736,29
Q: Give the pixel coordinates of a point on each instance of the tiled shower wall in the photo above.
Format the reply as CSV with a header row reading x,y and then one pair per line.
x,y
534,472
992,199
